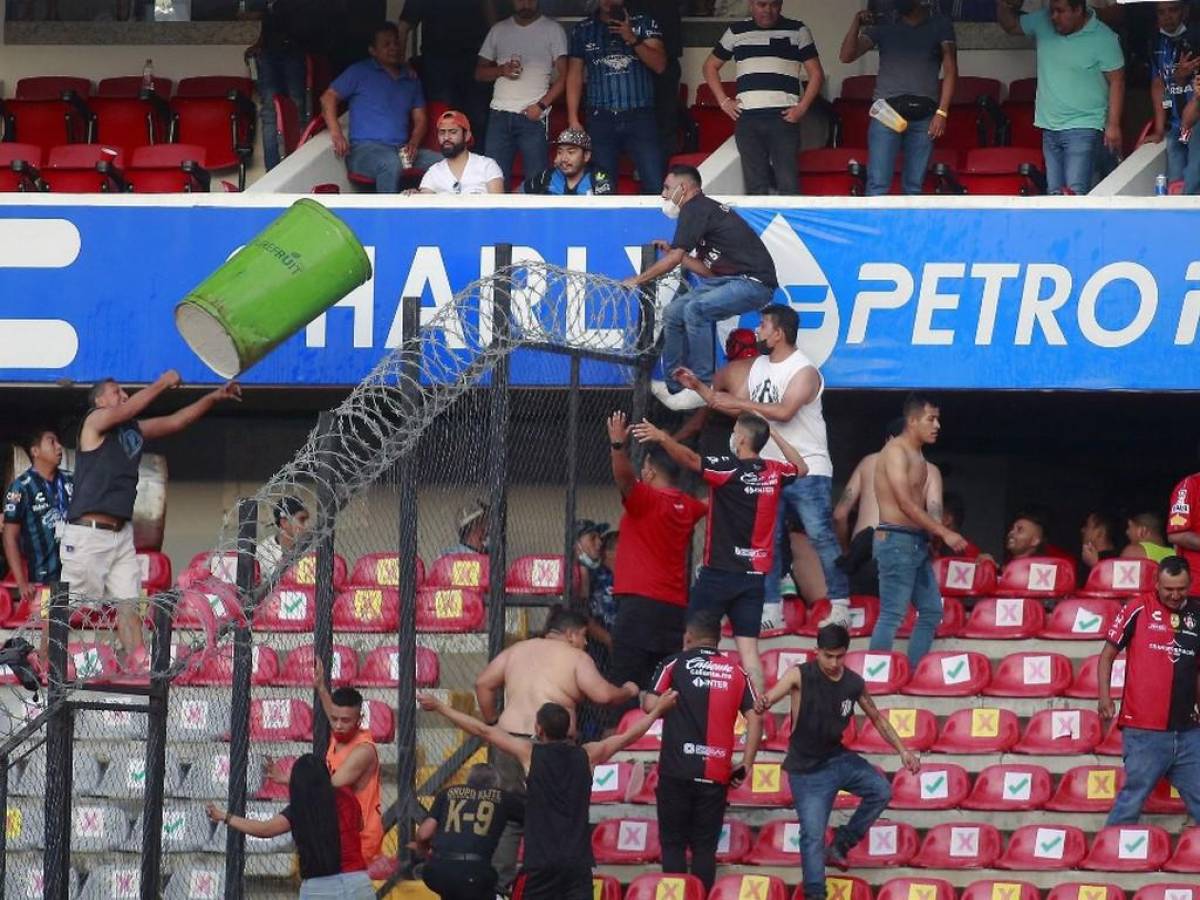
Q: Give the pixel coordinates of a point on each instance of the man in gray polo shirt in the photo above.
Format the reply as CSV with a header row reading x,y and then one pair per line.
x,y
912,51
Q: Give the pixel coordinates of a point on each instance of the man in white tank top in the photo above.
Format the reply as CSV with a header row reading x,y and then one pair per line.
x,y
785,388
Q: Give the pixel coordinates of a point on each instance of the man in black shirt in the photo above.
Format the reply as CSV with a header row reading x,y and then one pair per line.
x,y
823,694
695,766
573,173
558,847
463,829
668,15
737,275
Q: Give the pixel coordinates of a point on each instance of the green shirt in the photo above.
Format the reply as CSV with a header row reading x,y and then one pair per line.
x,y
1156,552
1072,91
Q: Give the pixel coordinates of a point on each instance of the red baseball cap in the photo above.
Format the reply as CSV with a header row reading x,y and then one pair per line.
x,y
454,117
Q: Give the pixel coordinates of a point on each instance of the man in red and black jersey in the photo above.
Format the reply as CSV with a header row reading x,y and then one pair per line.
x,y
1160,634
1183,525
739,544
695,766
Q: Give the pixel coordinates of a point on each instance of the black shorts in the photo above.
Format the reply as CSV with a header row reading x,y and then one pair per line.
x,y
557,884
645,633
738,595
455,879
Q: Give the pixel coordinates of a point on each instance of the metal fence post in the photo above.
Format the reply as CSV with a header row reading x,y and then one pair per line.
x,y
645,347
156,751
239,712
498,414
4,763
60,739
572,454
323,624
406,647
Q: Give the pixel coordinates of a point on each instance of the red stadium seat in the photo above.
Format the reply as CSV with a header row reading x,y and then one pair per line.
x,y
651,740
886,844
657,886
1005,618
841,887
777,844
733,846
1060,732
1176,891
1119,579
1112,745
766,784
83,169
605,887
864,612
221,566
1041,848
1023,90
742,887
131,86
739,731
851,109
216,669
382,569
128,122
825,171
30,158
304,573
224,126
962,577
953,619
858,87
291,609
378,719
1164,799
1000,890
1086,683
44,123
1044,577
1030,675
776,662
1128,848
713,127
705,96
460,570
280,720
967,845
368,609
1008,788
916,889
288,124
1080,619
91,662
156,570
449,610
52,87
1186,857
949,674
215,86
916,727
380,668
979,730
884,673
222,600
168,169
625,842
1090,789
936,786
996,171
1075,891
536,575
615,782
298,667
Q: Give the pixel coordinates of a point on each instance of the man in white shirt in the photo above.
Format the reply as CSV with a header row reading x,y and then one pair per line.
x,y
526,56
291,520
461,172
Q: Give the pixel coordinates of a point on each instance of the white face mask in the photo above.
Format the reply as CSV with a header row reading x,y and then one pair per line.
x,y
733,445
1177,32
670,208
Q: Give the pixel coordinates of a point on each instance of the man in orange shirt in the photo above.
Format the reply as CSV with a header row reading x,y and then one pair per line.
x,y
352,758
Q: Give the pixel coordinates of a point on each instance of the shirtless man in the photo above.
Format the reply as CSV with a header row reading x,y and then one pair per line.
x,y
550,669
859,496
901,548
710,427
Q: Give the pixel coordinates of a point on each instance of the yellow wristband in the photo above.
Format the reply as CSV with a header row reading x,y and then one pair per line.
x,y
942,113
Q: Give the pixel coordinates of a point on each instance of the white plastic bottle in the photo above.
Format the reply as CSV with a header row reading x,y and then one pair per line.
x,y
148,76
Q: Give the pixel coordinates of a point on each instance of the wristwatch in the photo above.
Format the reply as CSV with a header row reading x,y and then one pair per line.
x,y
542,106
617,445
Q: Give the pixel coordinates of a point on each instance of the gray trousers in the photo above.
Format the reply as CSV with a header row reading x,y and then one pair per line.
x,y
504,860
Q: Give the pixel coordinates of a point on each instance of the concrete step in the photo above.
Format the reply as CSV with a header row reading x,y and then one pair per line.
x,y
994,650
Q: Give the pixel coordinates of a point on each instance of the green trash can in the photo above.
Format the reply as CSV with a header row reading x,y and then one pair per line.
x,y
291,272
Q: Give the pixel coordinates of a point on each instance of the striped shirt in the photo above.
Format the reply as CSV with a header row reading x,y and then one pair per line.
x,y
616,79
769,62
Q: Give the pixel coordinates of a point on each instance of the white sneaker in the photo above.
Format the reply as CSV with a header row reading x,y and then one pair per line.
x,y
679,401
772,615
839,614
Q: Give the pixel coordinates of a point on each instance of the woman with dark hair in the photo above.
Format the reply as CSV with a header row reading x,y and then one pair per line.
x,y
325,823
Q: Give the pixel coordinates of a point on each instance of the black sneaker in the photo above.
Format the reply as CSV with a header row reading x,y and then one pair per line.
x,y
835,856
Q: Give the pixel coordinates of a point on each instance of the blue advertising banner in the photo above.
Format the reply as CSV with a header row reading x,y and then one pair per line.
x,y
936,295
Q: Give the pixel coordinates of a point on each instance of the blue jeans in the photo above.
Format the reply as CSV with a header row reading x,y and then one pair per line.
x,y
1183,162
346,886
884,145
810,499
1070,158
279,72
382,162
634,131
688,320
512,133
905,576
814,792
1151,756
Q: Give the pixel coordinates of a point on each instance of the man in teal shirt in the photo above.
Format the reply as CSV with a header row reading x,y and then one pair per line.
x,y
1081,87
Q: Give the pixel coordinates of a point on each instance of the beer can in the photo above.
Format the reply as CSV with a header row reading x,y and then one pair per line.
x,y
406,157
1160,186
